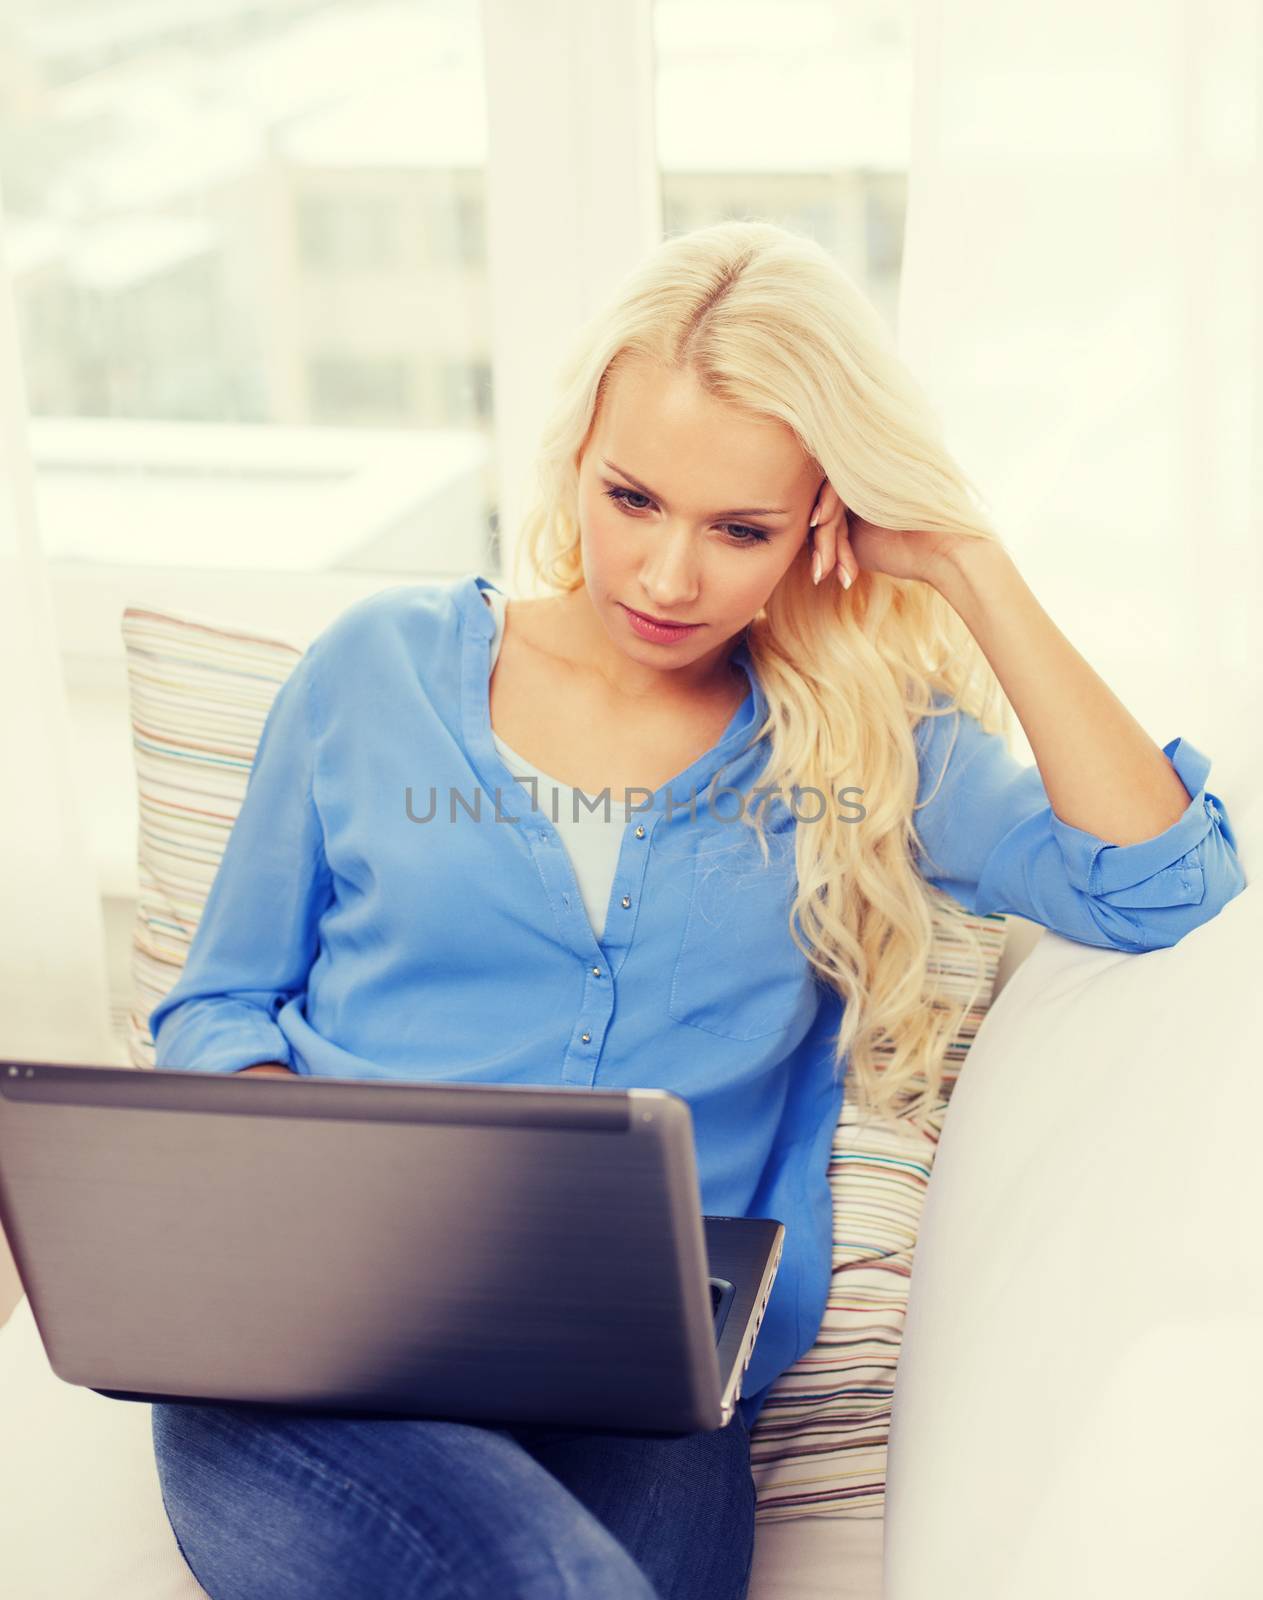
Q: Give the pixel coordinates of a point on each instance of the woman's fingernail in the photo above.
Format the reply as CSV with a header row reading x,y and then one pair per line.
x,y
844,575
816,565
815,517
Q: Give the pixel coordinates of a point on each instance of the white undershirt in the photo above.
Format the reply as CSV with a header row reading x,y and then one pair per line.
x,y
594,840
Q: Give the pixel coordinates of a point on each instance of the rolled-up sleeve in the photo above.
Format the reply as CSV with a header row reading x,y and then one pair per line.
x,y
257,938
993,842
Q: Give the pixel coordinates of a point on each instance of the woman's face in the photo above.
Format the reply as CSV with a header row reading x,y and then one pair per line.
x,y
689,510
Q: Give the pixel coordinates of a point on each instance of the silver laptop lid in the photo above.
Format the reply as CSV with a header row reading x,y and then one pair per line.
x,y
473,1250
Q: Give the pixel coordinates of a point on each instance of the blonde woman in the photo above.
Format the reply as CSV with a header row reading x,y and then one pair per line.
x,y
742,747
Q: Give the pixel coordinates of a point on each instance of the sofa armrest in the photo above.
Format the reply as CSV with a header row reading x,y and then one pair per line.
x,y
1086,1287
1021,937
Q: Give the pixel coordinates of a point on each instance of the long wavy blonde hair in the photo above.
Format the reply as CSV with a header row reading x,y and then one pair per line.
x,y
766,320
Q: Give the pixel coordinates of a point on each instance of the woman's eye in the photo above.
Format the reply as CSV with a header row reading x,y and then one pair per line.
x,y
744,535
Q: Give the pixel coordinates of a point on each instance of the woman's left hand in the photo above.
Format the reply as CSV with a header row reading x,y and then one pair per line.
x,y
847,545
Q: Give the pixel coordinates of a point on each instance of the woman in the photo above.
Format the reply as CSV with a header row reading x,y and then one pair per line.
x,y
790,785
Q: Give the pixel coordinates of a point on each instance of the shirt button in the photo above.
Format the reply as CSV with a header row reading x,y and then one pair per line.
x,y
596,972
640,831
586,1037
626,901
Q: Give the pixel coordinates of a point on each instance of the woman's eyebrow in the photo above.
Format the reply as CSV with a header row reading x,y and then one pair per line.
x,y
740,511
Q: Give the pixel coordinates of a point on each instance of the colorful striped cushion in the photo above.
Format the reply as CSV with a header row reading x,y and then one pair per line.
x,y
818,1447
199,696
200,693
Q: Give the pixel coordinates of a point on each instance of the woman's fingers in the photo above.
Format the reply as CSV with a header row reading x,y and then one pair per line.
x,y
823,541
831,547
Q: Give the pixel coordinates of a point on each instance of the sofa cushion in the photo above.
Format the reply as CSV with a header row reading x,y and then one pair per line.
x,y
199,694
81,1513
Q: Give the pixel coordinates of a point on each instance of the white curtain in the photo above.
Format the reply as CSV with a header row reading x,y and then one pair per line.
x,y
1081,297
54,1003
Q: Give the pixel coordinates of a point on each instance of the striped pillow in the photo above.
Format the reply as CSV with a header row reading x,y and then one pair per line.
x,y
818,1446
200,694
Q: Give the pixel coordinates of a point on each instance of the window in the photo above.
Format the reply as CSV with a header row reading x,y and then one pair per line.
x,y
793,111
231,225
467,387
350,233
360,389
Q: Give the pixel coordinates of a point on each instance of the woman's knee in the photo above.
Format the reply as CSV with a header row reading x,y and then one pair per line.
x,y
254,1518
275,1505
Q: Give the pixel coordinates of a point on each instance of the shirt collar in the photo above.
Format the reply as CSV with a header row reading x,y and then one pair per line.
x,y
747,719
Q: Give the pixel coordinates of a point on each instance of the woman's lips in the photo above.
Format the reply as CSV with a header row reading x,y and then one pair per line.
x,y
662,622
647,628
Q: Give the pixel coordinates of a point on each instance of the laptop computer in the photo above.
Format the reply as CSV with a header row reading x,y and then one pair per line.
x,y
476,1252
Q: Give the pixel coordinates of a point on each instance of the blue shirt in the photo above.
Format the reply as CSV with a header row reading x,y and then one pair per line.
x,y
347,936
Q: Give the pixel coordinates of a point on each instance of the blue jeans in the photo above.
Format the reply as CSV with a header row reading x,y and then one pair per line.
x,y
295,1505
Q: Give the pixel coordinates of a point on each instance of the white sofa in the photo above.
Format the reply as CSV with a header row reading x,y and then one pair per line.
x,y
81,1514
1079,1404
82,1517
1076,1407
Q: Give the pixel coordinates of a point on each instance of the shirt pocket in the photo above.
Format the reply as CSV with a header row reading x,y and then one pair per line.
x,y
739,974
